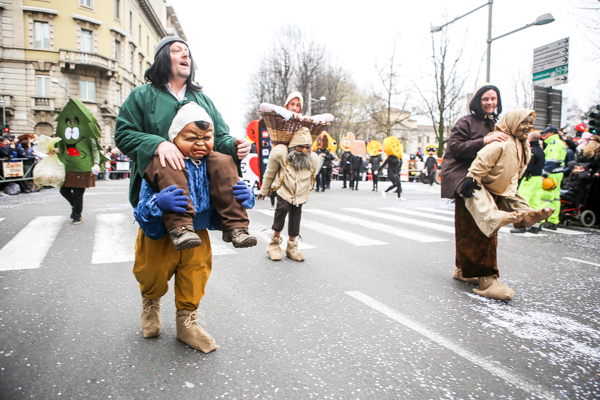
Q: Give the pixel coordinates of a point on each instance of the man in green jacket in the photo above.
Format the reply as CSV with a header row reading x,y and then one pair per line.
x,y
142,132
555,152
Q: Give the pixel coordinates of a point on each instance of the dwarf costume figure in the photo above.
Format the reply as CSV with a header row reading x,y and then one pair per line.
x,y
491,195
192,132
79,152
291,173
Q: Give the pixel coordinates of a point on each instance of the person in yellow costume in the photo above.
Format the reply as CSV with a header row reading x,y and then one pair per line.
x,y
394,149
490,191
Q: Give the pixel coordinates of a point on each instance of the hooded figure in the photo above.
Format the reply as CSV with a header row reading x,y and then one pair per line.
x,y
292,96
291,172
496,203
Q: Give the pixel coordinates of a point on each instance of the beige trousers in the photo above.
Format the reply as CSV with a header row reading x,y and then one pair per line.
x,y
489,210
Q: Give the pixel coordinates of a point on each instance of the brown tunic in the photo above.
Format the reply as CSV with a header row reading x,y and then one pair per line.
x,y
79,180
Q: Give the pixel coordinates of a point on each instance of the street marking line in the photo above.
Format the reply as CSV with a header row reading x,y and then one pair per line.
x,y
387,229
341,234
114,241
500,372
565,231
2,219
29,247
582,261
437,210
263,232
419,214
218,246
404,220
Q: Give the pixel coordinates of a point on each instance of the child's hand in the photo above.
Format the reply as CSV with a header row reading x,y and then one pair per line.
x,y
244,194
172,199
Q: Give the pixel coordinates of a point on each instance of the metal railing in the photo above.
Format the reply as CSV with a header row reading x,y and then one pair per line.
x,y
27,170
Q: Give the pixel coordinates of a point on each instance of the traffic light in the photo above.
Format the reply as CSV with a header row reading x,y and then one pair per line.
x,y
594,121
6,129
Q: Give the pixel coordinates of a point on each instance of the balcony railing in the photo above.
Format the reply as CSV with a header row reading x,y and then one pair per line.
x,y
71,58
42,103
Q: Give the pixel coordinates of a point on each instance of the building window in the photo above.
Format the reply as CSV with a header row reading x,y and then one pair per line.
x,y
117,9
132,51
43,86
42,35
130,22
148,45
86,41
117,53
140,36
85,3
87,90
141,64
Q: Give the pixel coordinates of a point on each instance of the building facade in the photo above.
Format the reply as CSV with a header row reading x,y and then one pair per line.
x,y
93,50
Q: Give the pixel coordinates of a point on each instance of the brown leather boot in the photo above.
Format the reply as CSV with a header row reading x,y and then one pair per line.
x,y
184,237
292,251
535,216
458,275
239,237
274,249
151,322
192,334
492,288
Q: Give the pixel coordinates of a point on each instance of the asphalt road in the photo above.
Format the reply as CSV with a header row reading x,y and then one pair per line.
x,y
373,313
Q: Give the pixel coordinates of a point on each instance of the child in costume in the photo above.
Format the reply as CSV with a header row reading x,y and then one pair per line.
x,y
192,132
79,152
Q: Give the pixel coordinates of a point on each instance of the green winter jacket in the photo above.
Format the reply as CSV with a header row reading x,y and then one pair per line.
x,y
144,121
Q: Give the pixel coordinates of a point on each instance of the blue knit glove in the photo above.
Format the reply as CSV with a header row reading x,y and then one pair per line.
x,y
172,199
244,194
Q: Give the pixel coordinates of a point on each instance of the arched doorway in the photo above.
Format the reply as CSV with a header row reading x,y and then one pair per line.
x,y
44,128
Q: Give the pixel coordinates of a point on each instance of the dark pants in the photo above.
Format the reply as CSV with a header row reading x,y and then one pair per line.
x,y
222,175
282,209
430,176
320,181
375,180
395,178
475,252
327,176
75,198
345,177
354,179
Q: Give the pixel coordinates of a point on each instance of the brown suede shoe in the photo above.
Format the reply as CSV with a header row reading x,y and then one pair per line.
x,y
151,322
192,334
274,249
535,216
492,288
458,275
184,237
292,251
239,237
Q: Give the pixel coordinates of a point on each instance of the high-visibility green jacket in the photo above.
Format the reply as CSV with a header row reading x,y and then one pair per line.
x,y
555,152
143,123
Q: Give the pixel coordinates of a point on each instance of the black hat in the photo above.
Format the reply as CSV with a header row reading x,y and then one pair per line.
x,y
550,129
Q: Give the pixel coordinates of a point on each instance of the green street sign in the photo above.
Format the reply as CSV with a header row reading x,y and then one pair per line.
x,y
551,73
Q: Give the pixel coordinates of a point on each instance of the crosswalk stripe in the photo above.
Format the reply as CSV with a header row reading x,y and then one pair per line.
x,y
404,220
341,234
566,231
437,210
2,219
36,239
368,224
418,214
262,232
114,240
218,246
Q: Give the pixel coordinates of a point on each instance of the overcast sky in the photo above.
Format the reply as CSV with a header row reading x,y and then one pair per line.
x,y
228,38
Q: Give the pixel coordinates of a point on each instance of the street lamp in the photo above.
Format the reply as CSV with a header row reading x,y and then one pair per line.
x,y
64,87
541,20
311,101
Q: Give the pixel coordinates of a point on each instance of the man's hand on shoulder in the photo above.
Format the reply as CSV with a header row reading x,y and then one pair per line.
x,y
169,152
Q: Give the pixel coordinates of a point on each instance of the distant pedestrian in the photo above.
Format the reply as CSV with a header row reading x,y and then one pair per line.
x,y
375,164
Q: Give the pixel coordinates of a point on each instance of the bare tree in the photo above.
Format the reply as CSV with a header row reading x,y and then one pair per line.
x,y
522,89
589,18
443,104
